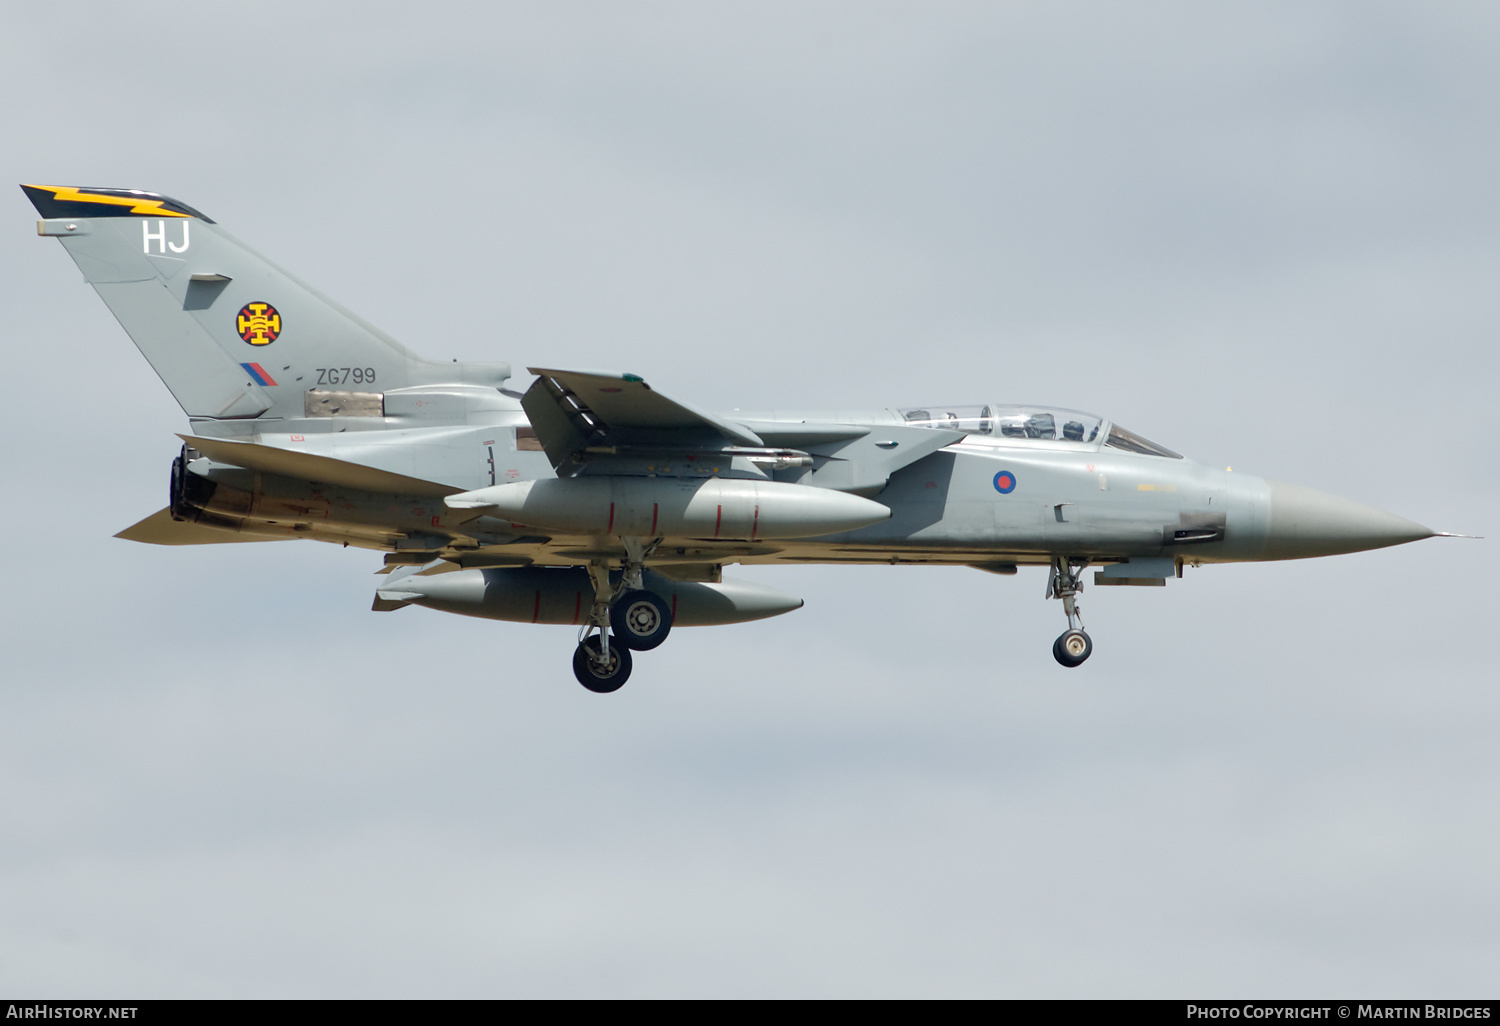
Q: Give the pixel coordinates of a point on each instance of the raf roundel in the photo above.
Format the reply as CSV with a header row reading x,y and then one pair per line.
x,y
1005,482
258,323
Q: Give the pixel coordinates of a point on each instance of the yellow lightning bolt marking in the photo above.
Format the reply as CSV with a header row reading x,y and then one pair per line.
x,y
137,205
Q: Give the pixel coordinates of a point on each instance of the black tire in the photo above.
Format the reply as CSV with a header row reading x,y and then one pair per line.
x,y
601,679
641,620
1072,648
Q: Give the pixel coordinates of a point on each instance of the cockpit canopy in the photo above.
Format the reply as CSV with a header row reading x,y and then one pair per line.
x,y
1032,422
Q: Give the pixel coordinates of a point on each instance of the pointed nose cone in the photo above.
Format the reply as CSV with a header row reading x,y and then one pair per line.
x,y
1305,522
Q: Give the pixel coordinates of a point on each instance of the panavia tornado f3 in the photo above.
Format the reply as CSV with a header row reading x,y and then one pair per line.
x,y
591,498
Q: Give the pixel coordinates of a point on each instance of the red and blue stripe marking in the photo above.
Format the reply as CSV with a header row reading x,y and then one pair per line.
x,y
258,374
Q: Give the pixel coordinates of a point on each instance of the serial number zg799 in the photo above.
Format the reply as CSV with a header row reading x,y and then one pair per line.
x,y
346,375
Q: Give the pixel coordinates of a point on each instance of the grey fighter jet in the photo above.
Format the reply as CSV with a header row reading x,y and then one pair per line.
x,y
591,498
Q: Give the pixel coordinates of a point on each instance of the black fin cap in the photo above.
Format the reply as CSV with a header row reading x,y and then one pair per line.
x,y
78,204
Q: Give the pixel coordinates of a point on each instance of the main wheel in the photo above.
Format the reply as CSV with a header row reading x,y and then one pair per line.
x,y
641,620
1072,648
597,675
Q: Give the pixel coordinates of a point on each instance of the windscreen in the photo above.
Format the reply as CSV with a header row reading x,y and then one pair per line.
x,y
1119,438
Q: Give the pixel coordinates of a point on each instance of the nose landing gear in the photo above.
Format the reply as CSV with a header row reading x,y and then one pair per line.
x,y
1065,582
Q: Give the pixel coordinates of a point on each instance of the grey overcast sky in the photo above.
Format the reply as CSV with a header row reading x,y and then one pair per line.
x,y
1264,234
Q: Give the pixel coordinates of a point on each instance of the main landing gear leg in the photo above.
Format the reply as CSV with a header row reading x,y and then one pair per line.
x,y
1065,582
623,617
640,618
598,665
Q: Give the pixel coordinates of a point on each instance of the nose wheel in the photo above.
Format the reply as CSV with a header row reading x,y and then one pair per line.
x,y
1065,582
1072,648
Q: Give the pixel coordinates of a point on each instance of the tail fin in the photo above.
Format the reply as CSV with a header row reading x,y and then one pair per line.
x,y
230,334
